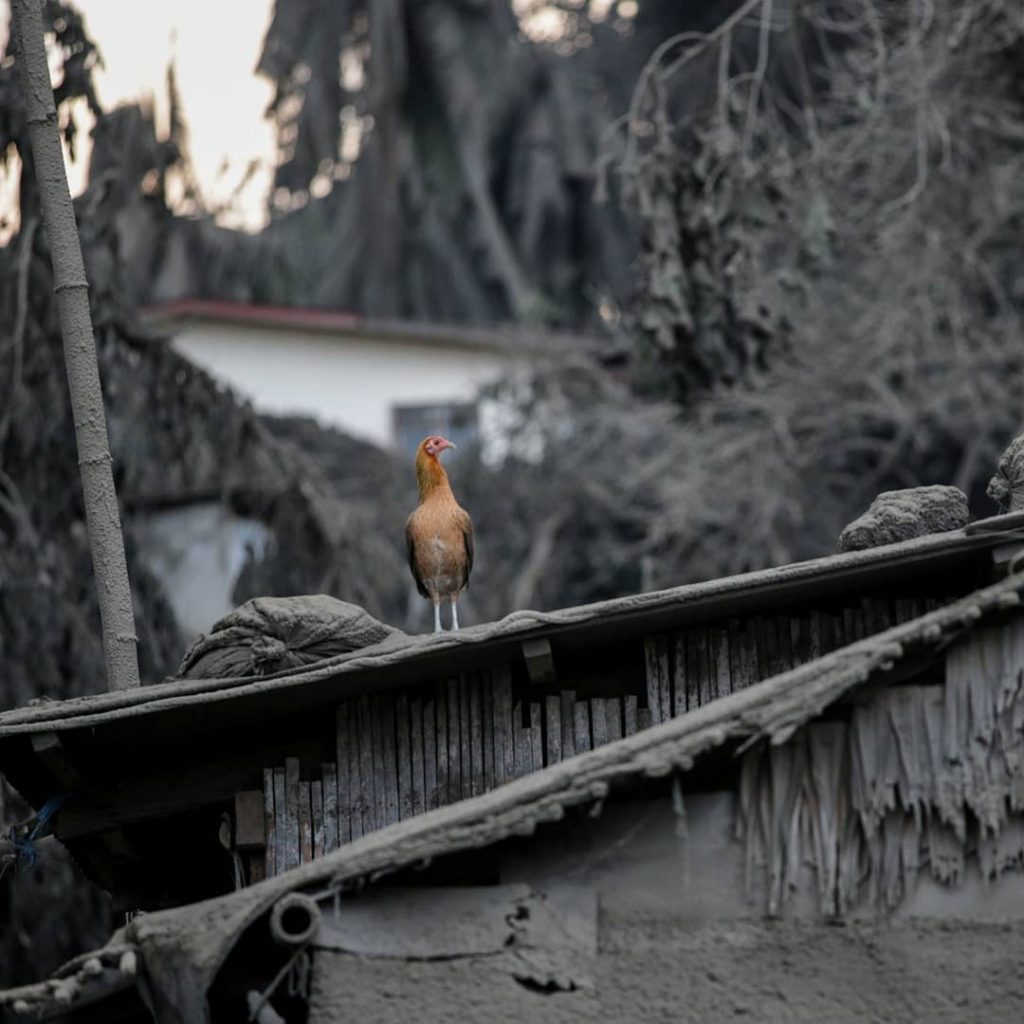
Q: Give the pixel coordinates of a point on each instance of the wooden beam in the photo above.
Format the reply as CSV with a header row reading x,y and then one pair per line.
x,y
98,807
540,661
50,749
250,827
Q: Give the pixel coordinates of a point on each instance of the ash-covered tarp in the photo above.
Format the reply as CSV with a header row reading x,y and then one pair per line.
x,y
274,634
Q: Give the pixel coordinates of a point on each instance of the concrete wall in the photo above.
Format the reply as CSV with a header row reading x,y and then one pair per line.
x,y
678,938
343,381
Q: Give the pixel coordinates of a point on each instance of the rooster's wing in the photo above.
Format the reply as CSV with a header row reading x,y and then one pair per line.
x,y
410,548
467,536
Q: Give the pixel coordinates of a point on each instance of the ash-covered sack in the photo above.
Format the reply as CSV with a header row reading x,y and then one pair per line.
x,y
1007,486
272,634
902,515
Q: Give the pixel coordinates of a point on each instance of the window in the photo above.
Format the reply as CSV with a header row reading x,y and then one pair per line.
x,y
459,422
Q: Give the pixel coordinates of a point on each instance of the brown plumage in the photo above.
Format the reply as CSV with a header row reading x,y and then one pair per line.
x,y
439,534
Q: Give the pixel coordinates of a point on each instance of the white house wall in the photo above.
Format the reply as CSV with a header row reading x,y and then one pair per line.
x,y
343,381
197,552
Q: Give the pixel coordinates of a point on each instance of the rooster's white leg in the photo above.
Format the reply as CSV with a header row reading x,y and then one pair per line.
x,y
437,616
455,613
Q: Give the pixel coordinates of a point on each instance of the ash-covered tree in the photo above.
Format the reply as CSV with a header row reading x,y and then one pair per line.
x,y
436,163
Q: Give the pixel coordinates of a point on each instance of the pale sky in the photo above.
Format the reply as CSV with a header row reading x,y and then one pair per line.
x,y
215,44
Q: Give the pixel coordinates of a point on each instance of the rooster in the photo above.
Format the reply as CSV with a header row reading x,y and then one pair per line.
x,y
439,534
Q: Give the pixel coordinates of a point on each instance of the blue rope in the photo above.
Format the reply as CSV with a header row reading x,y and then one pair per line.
x,y
26,834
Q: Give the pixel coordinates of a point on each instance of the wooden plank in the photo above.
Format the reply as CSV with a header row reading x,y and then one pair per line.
x,y
269,824
598,722
257,868
821,634
839,630
454,743
643,719
850,625
250,830
367,789
465,737
343,795
380,796
567,715
430,782
629,709
665,671
553,729
487,715
536,737
504,735
721,669
390,757
316,809
403,730
817,642
291,801
280,822
613,716
871,622
355,778
767,647
476,736
737,677
705,659
443,785
698,638
656,662
859,626
305,824
329,773
800,639
522,751
682,676
750,671
785,644
581,721
417,776
907,608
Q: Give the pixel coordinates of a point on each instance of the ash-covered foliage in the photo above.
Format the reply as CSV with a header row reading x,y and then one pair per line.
x,y
826,302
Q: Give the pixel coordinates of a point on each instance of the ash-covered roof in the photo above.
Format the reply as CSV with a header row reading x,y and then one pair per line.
x,y
182,949
403,659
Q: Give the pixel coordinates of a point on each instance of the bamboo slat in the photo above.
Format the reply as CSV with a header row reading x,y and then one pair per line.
x,y
343,795
293,838
403,731
329,773
305,824
316,801
269,824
